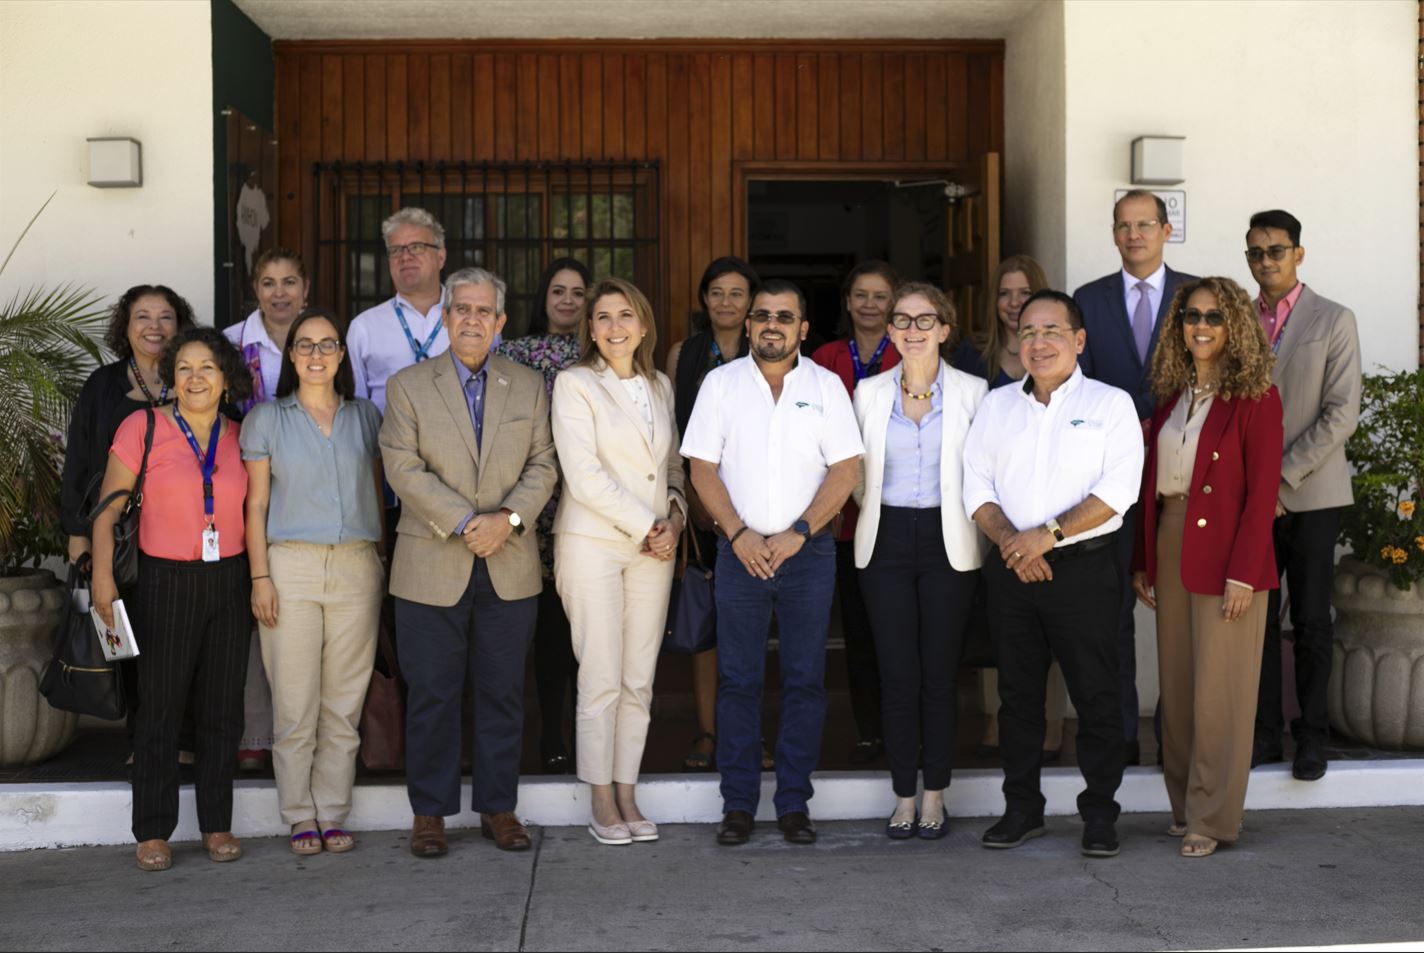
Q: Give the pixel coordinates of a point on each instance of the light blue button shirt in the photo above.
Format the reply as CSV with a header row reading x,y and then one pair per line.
x,y
912,454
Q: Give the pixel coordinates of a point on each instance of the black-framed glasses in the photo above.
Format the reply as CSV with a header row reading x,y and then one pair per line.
x,y
1213,318
901,321
762,316
306,347
415,248
1276,253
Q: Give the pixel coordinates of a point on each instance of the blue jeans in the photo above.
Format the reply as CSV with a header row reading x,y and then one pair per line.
x,y
800,595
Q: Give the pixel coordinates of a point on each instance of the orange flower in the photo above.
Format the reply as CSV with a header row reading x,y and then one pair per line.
x,y
1406,508
1400,557
1387,552
1419,541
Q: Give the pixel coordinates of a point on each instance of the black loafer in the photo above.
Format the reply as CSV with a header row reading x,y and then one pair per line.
x,y
1310,760
933,830
797,828
1265,752
1099,839
905,830
1012,830
865,752
736,828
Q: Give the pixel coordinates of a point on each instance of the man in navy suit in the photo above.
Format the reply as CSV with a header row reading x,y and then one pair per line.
x,y
1121,313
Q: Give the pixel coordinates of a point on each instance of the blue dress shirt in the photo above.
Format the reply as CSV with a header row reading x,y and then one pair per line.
x,y
912,455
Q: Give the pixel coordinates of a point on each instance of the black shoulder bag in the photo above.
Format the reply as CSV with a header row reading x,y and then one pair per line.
x,y
126,526
78,678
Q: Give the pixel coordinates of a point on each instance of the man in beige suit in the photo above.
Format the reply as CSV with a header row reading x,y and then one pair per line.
x,y
1318,373
467,448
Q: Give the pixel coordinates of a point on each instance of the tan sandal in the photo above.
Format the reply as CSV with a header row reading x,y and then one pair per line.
x,y
1177,829
222,848
305,843
153,855
1198,845
336,840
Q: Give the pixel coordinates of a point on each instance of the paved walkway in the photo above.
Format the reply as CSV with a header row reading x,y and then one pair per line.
x,y
1299,878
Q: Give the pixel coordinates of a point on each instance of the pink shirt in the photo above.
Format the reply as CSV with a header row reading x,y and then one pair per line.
x,y
1274,319
171,524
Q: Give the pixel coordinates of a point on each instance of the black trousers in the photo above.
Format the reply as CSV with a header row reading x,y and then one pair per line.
x,y
862,673
1305,555
483,638
919,609
1073,619
1127,624
555,670
192,621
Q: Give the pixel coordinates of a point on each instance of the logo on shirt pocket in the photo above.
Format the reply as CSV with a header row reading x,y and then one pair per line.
x,y
806,405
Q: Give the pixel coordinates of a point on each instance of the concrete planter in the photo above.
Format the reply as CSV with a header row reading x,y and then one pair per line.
x,y
1377,680
30,730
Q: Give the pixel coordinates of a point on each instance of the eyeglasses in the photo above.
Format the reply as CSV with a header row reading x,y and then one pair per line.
x,y
1050,334
306,347
1192,316
415,248
762,316
1277,252
901,321
1146,225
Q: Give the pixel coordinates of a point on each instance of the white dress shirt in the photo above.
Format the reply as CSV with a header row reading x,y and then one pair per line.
x,y
253,331
378,347
772,455
1037,462
1157,280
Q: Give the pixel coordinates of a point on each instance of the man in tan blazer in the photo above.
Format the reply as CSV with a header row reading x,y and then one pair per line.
x,y
467,448
1318,373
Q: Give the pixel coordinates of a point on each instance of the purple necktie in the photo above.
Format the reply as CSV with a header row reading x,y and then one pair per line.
x,y
1142,321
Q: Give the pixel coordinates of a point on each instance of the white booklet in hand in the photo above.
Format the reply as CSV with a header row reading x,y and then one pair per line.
x,y
118,642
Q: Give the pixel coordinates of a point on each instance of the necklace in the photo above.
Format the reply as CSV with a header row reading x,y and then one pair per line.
x,y
1199,390
143,385
904,388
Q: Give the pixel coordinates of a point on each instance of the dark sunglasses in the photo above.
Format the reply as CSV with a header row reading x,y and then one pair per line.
x,y
1214,319
761,316
1277,252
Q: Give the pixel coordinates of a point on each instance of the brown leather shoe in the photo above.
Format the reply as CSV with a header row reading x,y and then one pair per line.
x,y
427,837
505,830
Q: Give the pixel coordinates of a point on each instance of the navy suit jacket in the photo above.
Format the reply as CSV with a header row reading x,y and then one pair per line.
x,y
1111,354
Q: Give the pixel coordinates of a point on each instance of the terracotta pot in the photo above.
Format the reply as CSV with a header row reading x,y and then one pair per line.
x,y
30,730
1377,679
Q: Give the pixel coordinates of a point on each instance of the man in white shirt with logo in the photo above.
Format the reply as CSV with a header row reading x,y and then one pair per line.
x,y
775,452
1049,469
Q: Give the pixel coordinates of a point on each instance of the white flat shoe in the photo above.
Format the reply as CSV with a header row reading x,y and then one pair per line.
x,y
615,836
642,831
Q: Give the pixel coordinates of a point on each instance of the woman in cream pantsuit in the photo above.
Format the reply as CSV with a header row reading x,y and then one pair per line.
x,y
616,532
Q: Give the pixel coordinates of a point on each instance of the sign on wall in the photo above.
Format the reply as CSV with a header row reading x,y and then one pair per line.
x,y
1176,200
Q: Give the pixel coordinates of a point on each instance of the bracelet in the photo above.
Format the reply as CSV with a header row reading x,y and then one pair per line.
x,y
733,540
255,578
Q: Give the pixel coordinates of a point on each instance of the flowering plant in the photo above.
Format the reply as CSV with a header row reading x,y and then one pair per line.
x,y
1385,527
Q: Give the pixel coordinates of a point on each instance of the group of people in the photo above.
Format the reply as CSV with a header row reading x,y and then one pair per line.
x,y
1153,437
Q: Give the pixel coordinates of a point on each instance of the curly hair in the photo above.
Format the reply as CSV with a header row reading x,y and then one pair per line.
x,y
236,378
943,307
116,336
1247,361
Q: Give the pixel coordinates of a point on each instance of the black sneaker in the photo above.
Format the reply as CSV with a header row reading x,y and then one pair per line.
x,y
1099,839
1012,830
1310,760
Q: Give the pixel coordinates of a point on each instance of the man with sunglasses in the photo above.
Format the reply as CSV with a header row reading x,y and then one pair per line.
x,y
774,451
1121,315
1318,374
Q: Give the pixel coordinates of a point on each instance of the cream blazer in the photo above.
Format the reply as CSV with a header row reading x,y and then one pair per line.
x,y
618,479
874,400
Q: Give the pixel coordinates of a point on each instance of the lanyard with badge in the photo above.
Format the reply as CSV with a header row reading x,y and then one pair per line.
x,y
862,372
211,553
421,351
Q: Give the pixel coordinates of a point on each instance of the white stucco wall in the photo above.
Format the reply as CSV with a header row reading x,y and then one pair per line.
x,y
1035,186
80,69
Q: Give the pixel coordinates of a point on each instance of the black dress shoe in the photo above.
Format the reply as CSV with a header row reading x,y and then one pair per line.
x,y
797,828
1131,753
559,763
905,830
1012,830
736,828
865,752
1265,752
1099,839
1310,760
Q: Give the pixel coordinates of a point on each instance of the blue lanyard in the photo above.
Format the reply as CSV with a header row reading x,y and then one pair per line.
x,y
207,463
421,351
860,371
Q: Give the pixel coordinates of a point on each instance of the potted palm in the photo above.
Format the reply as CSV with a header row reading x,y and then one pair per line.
x,y
1377,681
48,346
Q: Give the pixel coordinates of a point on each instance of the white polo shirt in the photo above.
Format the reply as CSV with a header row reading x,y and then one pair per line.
x,y
252,331
379,347
1037,462
772,455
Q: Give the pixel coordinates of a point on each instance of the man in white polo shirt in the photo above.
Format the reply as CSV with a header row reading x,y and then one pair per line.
x,y
1049,469
775,452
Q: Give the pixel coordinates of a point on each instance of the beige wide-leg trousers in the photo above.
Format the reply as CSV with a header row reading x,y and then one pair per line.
x,y
319,658
1209,670
616,600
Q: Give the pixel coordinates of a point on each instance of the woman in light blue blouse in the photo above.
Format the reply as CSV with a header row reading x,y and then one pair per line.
x,y
916,549
314,525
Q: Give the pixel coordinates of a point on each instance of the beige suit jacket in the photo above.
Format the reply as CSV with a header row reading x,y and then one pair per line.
x,y
1318,375
432,463
618,478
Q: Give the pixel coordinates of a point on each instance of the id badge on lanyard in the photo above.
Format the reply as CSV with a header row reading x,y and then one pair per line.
x,y
211,550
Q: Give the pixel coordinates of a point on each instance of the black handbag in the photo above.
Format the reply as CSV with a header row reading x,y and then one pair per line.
x,y
78,678
692,613
126,526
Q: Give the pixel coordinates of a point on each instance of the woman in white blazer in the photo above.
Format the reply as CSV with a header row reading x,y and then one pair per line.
x,y
917,557
615,537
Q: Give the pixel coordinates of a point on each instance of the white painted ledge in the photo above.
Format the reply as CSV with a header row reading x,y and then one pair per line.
x,y
71,815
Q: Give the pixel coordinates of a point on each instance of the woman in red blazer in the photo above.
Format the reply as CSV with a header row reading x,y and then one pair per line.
x,y
1204,549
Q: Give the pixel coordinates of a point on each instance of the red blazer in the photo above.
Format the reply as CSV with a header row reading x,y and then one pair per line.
x,y
1231,506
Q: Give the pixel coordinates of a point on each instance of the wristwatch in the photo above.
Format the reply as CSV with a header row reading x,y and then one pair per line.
x,y
515,522
1053,527
803,529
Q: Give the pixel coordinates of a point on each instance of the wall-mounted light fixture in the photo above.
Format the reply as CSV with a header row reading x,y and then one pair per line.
x,y
115,163
1157,160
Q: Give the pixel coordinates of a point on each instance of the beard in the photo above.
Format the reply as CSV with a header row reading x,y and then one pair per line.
x,y
773,351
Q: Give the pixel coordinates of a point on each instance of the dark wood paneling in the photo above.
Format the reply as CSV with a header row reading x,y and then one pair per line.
x,y
440,107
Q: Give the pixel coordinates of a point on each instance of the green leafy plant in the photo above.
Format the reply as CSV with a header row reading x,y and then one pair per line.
x,y
48,347
1385,527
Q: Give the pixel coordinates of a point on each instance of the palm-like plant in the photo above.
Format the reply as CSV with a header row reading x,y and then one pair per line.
x,y
48,346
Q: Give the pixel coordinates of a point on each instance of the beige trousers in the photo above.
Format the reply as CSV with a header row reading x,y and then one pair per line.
x,y
319,659
616,600
1209,670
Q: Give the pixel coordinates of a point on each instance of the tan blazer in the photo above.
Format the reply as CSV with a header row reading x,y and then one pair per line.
x,y
618,479
431,461
874,400
1318,375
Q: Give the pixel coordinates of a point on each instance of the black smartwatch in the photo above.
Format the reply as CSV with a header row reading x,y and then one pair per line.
x,y
802,529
